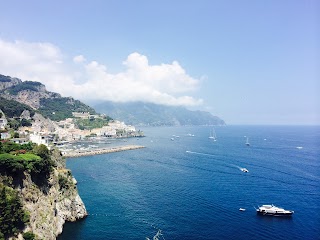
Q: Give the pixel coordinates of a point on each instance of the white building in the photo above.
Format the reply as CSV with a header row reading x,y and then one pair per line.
x,y
3,121
39,139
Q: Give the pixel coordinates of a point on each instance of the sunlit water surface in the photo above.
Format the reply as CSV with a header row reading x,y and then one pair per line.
x,y
191,187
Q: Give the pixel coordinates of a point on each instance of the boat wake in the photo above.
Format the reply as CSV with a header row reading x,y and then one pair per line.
x,y
224,163
260,166
157,236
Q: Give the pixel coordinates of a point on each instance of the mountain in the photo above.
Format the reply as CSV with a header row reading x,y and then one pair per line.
x,y
150,114
35,95
54,106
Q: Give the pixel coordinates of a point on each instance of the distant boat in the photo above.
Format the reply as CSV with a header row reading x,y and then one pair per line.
x,y
244,170
299,147
247,142
271,210
242,209
213,135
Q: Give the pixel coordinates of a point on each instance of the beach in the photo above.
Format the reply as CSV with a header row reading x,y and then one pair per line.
x,y
80,153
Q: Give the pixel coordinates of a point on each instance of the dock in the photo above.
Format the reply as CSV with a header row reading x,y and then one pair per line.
x,y
79,153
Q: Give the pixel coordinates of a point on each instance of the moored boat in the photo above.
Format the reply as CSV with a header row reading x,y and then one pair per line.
x,y
271,210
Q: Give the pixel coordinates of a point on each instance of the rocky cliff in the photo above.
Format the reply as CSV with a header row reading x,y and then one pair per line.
x,y
52,204
34,94
7,82
29,93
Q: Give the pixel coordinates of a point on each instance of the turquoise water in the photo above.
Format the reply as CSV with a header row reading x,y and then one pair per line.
x,y
192,187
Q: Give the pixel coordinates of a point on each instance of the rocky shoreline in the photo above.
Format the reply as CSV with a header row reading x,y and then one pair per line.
x,y
78,153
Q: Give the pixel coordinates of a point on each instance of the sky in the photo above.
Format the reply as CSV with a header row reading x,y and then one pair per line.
x,y
246,61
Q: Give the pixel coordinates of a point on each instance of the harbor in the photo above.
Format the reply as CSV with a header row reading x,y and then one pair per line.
x,y
89,152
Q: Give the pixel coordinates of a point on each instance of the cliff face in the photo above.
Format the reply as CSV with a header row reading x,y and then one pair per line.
x,y
34,94
31,98
51,205
7,82
29,93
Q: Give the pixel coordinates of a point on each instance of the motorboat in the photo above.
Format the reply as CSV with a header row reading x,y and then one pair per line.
x,y
244,170
271,210
247,142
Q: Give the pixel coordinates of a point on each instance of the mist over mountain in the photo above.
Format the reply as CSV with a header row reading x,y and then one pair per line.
x,y
56,107
150,114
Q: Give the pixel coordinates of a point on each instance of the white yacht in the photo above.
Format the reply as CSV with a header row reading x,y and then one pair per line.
x,y
271,210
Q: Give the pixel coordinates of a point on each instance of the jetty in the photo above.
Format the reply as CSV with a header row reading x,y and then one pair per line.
x,y
80,153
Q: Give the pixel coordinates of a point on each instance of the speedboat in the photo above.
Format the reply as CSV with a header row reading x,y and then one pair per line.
x,y
271,210
244,170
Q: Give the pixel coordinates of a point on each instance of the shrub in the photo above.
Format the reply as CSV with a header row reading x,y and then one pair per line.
x,y
29,235
63,182
12,216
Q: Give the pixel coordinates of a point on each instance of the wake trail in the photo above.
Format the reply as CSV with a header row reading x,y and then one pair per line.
x,y
312,179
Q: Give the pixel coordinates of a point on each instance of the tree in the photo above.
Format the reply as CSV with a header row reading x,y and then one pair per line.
x,y
25,122
29,236
12,216
42,151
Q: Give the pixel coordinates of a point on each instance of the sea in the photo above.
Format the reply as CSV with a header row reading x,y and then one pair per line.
x,y
184,185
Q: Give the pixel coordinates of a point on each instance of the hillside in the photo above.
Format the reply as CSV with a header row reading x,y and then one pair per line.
x,y
37,193
149,114
12,108
35,95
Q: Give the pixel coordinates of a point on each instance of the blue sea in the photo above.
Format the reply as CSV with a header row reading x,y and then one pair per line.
x,y
191,187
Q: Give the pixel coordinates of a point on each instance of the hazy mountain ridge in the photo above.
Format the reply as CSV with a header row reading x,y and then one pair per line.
x,y
56,107
150,114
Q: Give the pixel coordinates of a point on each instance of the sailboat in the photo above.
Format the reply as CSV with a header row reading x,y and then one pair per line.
x,y
247,142
213,135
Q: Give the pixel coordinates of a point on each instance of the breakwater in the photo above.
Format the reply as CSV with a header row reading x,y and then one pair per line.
x,y
79,153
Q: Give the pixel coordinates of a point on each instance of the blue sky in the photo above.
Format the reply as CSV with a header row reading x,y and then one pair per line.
x,y
249,62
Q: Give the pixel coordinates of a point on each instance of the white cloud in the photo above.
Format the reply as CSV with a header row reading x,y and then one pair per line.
x,y
79,59
85,80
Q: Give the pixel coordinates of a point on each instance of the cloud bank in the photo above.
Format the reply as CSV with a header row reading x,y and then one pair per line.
x,y
89,80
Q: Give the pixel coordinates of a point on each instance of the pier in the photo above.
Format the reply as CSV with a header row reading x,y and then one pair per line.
x,y
79,153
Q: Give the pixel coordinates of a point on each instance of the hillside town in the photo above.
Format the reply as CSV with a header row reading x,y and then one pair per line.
x,y
45,131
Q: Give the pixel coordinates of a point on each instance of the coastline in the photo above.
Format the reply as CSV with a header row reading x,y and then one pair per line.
x,y
78,153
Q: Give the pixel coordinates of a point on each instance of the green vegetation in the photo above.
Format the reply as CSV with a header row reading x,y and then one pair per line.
x,y
7,146
61,108
12,108
92,123
27,85
63,182
14,164
4,78
29,236
15,160
12,216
